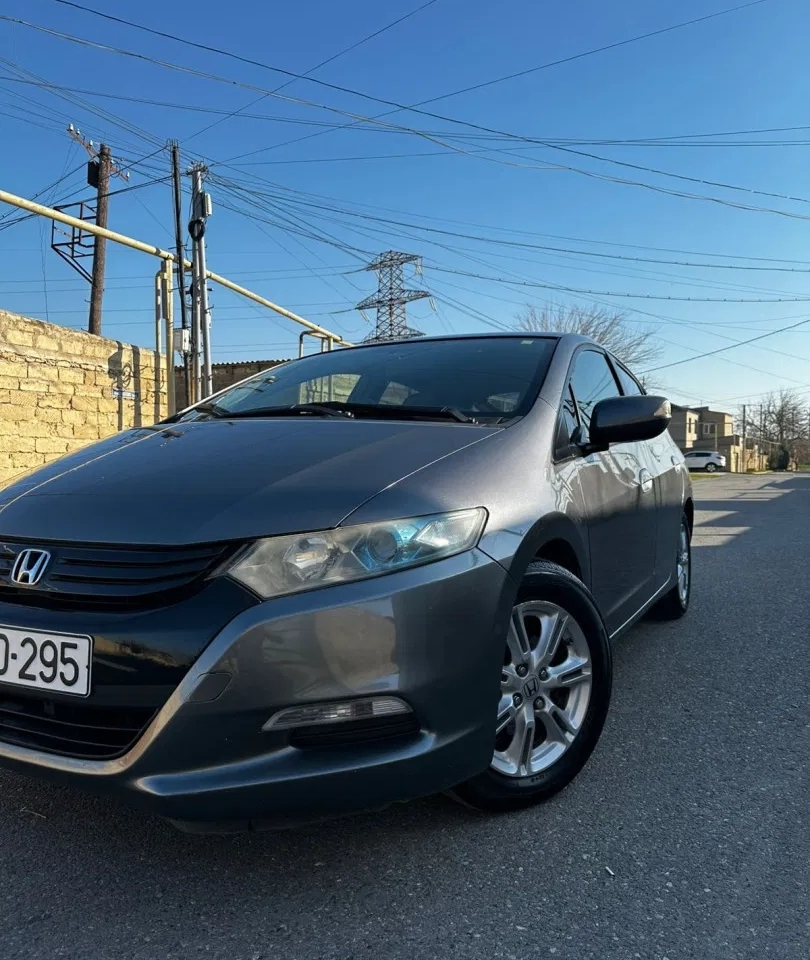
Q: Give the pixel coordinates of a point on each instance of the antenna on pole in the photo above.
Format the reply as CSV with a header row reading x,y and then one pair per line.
x,y
392,296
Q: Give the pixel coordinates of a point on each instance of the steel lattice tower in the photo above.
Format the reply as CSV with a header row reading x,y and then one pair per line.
x,y
392,296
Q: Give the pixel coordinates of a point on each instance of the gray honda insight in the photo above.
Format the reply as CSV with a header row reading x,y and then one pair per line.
x,y
360,577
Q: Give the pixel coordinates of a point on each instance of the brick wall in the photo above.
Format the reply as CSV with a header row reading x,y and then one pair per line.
x,y
61,389
223,375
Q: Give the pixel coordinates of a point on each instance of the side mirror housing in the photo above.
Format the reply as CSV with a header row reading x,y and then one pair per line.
x,y
627,420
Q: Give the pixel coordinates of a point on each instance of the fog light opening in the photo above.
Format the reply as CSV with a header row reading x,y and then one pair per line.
x,y
366,708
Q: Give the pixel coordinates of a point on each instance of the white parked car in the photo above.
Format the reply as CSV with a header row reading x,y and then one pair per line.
x,y
708,460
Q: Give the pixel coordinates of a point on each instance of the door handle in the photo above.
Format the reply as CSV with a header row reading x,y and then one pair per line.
x,y
645,480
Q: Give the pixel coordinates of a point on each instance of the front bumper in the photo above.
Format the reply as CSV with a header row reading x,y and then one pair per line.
x,y
432,636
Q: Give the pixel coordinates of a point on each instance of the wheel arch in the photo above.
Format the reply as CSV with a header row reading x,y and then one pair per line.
x,y
558,538
689,510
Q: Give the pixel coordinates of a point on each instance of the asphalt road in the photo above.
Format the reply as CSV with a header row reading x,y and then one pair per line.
x,y
687,836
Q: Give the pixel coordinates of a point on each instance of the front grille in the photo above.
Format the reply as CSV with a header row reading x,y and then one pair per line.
x,y
109,576
71,730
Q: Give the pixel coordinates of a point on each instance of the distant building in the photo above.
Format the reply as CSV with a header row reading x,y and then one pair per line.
x,y
699,428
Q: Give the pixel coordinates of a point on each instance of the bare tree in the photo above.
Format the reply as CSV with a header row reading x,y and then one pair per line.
x,y
632,346
782,423
781,418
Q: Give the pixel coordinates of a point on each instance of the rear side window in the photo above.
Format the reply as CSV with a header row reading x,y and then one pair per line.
x,y
591,382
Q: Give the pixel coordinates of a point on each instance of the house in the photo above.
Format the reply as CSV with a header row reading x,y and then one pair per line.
x,y
699,428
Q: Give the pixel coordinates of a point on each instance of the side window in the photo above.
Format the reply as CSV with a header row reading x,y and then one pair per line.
x,y
628,383
566,424
591,382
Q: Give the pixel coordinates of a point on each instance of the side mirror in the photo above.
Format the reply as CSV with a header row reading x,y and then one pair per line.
x,y
628,420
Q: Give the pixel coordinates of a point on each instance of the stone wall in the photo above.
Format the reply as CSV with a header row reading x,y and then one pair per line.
x,y
61,389
223,375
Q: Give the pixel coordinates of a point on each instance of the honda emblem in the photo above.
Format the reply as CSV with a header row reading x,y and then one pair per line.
x,y
29,567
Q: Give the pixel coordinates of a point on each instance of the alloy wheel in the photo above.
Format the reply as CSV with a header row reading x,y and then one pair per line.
x,y
684,565
545,689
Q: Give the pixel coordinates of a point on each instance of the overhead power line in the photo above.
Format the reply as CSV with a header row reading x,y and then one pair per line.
x,y
588,53
317,204
546,66
495,228
741,343
398,106
305,76
323,63
680,139
622,294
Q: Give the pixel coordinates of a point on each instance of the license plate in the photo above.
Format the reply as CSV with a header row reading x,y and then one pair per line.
x,y
55,662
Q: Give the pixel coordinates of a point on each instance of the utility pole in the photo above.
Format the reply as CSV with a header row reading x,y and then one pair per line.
x,y
201,328
744,445
181,269
99,170
100,245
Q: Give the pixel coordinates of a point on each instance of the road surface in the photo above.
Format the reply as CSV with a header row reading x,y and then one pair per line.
x,y
687,836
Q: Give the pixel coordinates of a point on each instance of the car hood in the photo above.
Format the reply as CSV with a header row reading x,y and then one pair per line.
x,y
215,480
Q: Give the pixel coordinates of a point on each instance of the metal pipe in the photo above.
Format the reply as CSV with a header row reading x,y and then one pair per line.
x,y
312,327
158,309
168,316
83,225
196,324
205,323
60,217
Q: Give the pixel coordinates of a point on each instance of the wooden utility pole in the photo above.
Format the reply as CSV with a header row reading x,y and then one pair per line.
x,y
99,170
100,246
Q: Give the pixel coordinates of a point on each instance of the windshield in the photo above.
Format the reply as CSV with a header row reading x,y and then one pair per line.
x,y
484,378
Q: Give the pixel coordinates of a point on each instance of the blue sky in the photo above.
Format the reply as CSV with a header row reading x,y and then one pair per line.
x,y
296,221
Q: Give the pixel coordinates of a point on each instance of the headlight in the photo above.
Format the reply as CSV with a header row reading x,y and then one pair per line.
x,y
282,565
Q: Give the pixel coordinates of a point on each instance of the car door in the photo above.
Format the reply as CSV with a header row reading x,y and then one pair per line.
x,y
619,496
666,464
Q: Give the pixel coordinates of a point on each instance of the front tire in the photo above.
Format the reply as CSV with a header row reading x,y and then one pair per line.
x,y
674,604
555,692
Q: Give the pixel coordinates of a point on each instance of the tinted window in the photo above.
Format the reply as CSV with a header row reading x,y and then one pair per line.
x,y
630,388
592,381
484,377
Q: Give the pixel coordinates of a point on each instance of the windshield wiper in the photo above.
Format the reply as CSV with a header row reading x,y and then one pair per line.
x,y
214,409
322,409
336,408
316,409
398,412
442,413
395,411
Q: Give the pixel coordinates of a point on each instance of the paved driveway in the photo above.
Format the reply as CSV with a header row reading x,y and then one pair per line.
x,y
686,837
